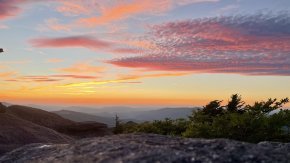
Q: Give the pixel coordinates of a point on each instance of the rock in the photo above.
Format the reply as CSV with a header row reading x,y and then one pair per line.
x,y
2,108
151,148
16,132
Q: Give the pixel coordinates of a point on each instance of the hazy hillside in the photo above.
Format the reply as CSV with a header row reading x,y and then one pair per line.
x,y
82,117
15,132
107,117
39,116
160,114
148,115
136,114
58,123
21,125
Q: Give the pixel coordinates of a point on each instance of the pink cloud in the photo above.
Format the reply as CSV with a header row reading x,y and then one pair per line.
x,y
125,9
74,41
10,8
54,25
82,68
86,42
74,8
251,45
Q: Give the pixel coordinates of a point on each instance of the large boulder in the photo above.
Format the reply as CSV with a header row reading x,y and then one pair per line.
x,y
151,148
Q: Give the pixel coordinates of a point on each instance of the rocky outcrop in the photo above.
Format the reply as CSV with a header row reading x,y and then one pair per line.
x,y
58,123
16,132
151,148
20,125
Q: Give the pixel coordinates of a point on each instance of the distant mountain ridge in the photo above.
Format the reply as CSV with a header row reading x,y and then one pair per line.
x,y
125,113
173,113
83,117
125,116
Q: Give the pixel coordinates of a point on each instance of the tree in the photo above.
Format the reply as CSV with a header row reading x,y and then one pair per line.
x,y
235,104
265,107
213,108
118,127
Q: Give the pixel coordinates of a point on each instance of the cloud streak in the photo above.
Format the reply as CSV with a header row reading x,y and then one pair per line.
x,y
83,68
88,42
50,78
101,13
251,45
125,79
73,41
16,77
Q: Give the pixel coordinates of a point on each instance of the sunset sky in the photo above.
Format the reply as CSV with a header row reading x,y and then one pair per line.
x,y
143,52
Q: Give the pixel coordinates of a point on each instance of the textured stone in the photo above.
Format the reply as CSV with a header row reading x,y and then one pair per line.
x,y
151,148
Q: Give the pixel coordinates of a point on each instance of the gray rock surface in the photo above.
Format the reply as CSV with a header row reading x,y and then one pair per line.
x,y
151,148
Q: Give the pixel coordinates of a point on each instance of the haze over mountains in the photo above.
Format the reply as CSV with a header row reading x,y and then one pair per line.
x,y
125,112
108,117
83,117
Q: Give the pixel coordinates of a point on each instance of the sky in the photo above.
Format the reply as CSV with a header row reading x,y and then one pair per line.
x,y
149,52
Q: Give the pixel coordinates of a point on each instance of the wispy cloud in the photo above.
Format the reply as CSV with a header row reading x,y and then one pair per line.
x,y
50,78
252,44
4,75
73,41
83,68
53,24
124,79
76,8
2,26
118,10
88,42
10,8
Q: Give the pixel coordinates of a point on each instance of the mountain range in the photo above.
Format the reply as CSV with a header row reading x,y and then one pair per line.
x,y
108,116
22,125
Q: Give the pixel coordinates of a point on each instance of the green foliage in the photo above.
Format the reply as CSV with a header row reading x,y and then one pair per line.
x,y
164,127
235,104
251,123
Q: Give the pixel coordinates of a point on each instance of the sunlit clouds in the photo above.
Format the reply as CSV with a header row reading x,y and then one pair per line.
x,y
159,52
252,45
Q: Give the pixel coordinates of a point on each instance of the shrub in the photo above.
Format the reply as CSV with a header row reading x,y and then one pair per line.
x,y
251,123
